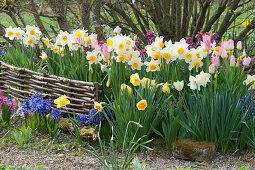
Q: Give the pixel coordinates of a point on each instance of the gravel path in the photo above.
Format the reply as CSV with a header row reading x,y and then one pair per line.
x,y
73,160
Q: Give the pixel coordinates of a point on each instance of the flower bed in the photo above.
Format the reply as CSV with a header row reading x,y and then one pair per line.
x,y
21,83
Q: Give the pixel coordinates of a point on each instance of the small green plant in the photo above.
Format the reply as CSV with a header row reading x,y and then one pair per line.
x,y
171,129
10,167
76,132
138,165
111,158
23,135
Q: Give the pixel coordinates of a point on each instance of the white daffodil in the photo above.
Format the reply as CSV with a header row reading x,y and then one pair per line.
x,y
132,54
55,48
93,57
153,51
62,51
33,31
167,54
135,63
195,62
249,80
9,33
63,38
121,57
193,83
18,33
180,48
159,42
190,55
29,40
46,42
153,65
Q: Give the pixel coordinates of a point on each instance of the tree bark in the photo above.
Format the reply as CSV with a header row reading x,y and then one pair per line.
x,y
226,21
85,13
38,19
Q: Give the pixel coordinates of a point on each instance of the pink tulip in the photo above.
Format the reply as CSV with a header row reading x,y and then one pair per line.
x,y
212,69
216,61
230,45
223,53
105,52
207,41
224,44
232,61
95,44
246,61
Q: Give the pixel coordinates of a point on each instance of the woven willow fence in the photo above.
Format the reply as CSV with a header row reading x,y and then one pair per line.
x,y
21,83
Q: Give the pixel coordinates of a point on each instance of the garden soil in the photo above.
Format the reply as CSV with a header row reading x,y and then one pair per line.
x,y
154,160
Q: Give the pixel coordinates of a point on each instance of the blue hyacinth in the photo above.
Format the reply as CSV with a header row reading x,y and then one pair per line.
x,y
83,119
253,110
36,104
245,101
55,114
94,116
25,106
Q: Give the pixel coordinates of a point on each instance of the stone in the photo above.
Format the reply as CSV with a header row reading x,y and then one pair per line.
x,y
189,149
85,131
64,124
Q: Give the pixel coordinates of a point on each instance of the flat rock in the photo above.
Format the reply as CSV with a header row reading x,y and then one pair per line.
x,y
193,150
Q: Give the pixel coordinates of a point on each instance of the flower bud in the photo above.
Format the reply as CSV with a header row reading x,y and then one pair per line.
x,y
44,56
232,61
244,53
117,30
108,83
239,45
212,69
246,61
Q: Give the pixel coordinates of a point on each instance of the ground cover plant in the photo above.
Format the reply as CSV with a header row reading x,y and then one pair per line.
x,y
198,87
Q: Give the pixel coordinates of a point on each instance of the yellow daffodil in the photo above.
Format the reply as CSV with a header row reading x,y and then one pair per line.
x,y
165,88
124,87
146,82
98,106
134,79
61,101
141,105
